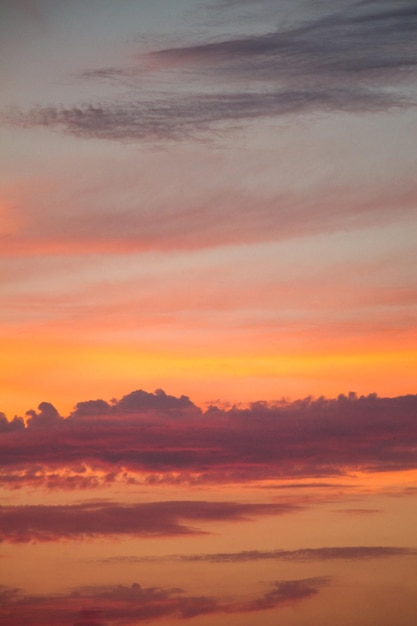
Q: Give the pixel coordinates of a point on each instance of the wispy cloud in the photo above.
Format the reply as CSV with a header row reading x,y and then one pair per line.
x,y
358,59
21,524
162,438
359,511
114,214
305,554
128,605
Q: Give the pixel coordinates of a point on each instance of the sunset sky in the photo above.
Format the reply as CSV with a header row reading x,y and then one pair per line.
x,y
208,338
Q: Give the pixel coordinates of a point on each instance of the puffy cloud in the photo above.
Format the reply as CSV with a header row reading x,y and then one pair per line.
x,y
48,416
16,424
106,519
138,402
159,401
136,438
91,407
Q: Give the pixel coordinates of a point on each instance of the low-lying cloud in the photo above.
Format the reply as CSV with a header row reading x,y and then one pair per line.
x,y
157,438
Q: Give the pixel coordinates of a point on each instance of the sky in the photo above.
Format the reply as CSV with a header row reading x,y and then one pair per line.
x,y
208,306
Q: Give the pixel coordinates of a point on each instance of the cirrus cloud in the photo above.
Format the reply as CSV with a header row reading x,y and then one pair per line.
x,y
359,58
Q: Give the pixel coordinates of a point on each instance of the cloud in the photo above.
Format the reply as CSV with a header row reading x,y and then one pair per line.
x,y
127,605
47,417
157,438
305,554
16,424
138,401
285,592
358,511
357,59
158,401
107,519
360,40
118,214
197,115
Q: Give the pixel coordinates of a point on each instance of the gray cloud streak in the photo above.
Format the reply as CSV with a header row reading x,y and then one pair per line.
x,y
360,59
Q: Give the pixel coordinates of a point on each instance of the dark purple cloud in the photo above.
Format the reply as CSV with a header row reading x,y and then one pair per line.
x,y
16,424
96,606
167,439
107,519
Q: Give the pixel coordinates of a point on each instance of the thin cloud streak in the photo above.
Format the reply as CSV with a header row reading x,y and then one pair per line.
x,y
223,217
196,115
305,554
349,553
127,605
40,523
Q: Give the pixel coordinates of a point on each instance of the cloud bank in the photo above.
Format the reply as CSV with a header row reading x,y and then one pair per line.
x,y
155,437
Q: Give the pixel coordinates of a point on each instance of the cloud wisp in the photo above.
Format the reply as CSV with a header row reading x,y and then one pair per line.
x,y
358,59
160,438
305,554
348,553
108,219
41,523
128,605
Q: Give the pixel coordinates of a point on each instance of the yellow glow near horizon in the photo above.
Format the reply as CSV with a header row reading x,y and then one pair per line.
x,y
67,371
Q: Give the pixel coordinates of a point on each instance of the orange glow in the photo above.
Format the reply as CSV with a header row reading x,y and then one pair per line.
x,y
66,371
